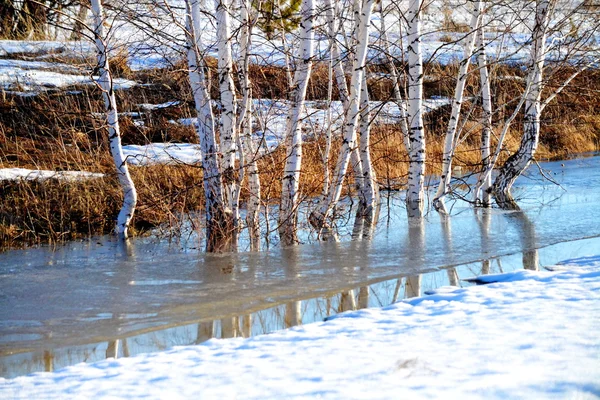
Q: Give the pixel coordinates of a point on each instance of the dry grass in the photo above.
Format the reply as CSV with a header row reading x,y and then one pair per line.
x,y
57,131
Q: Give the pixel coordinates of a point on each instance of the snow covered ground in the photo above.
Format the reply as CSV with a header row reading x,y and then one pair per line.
x,y
13,174
270,118
524,335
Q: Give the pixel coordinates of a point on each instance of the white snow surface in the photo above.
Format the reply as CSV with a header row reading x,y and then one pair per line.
x,y
38,75
13,174
527,335
162,153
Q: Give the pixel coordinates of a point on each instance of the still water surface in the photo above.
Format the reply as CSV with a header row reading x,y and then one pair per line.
x,y
89,300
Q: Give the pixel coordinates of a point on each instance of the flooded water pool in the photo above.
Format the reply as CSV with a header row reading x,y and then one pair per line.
x,y
101,298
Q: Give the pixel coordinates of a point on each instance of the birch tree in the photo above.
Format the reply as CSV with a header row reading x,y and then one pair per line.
x,y
450,140
227,124
248,153
481,194
105,83
415,193
519,161
319,215
582,53
218,219
398,97
288,212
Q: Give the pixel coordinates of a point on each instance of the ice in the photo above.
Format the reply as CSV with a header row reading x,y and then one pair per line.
x,y
517,338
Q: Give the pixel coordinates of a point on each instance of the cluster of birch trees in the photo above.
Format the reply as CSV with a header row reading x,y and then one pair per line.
x,y
229,154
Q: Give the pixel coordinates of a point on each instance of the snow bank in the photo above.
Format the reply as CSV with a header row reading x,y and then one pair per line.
x,y
13,174
533,335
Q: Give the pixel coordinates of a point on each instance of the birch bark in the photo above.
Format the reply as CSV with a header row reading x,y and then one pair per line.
x,y
227,124
398,98
114,134
415,193
449,145
288,212
519,161
318,217
218,219
484,180
248,152
369,190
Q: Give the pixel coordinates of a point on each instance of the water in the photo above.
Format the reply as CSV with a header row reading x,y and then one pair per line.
x,y
89,300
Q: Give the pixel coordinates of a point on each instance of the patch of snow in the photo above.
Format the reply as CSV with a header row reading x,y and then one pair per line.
x,y
44,47
163,153
532,335
13,174
39,79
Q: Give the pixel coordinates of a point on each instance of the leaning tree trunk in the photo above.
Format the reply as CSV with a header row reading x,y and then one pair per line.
x,y
105,82
218,219
318,216
450,142
288,212
342,86
415,193
519,161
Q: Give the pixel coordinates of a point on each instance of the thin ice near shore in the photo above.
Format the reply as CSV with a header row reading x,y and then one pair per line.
x,y
524,335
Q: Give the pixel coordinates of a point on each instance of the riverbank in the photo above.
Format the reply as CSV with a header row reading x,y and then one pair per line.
x,y
524,335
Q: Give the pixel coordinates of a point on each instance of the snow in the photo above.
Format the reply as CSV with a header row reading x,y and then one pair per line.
x,y
13,174
162,153
270,117
44,47
527,335
37,75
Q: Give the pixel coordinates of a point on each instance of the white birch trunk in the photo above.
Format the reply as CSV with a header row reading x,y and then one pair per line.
x,y
247,151
484,181
218,220
415,193
340,77
449,144
369,190
518,162
288,212
106,84
227,125
398,98
329,12
318,217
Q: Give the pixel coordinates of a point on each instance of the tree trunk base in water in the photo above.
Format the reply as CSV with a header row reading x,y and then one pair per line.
x,y
220,231
505,200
